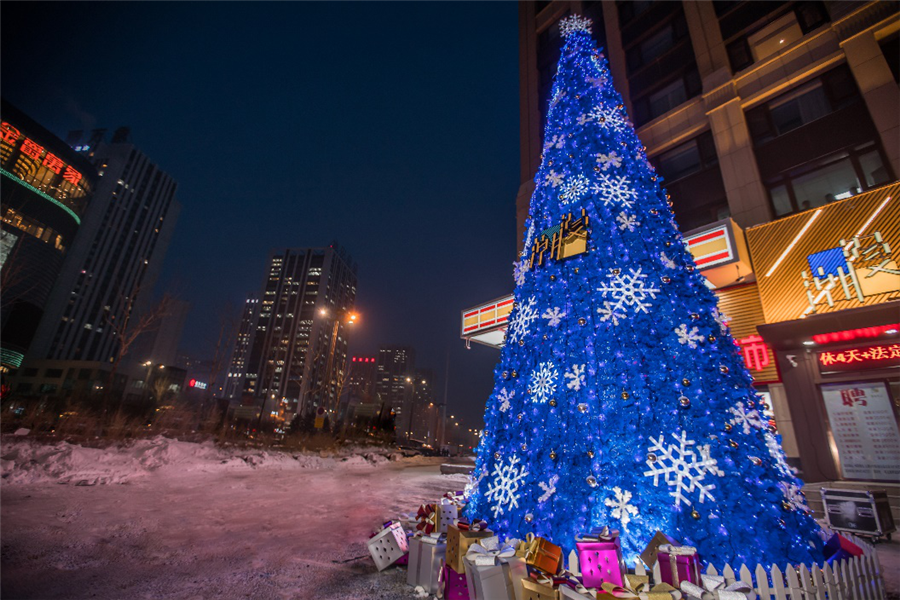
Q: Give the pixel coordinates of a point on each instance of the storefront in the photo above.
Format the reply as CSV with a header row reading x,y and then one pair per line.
x,y
829,287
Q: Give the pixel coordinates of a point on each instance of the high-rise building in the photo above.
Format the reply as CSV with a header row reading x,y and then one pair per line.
x,y
298,357
112,267
424,409
46,188
363,375
395,364
237,368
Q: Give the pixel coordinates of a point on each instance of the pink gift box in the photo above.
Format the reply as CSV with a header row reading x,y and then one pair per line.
x,y
679,563
601,562
455,586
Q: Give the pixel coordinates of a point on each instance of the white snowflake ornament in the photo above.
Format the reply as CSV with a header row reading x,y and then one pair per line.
x,y
575,377
794,496
554,316
609,116
519,269
521,323
621,507
543,382
667,262
554,179
574,189
607,161
680,468
574,24
691,338
722,319
627,221
504,398
746,419
549,488
627,291
778,456
615,190
503,490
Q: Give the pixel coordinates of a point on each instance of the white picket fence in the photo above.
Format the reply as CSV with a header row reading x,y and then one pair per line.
x,y
857,578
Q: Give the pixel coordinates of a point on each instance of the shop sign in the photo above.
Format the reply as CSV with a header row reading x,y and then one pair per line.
x,y
756,352
487,316
873,357
864,429
10,136
837,257
711,247
565,240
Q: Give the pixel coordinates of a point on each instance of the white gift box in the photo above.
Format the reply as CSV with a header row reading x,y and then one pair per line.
x,y
493,573
447,514
425,557
388,546
568,593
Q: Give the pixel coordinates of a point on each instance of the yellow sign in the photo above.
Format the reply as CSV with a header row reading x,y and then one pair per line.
x,y
565,240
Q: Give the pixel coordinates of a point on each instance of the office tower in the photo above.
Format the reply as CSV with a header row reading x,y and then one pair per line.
x,y
395,364
237,368
113,265
423,416
46,188
298,357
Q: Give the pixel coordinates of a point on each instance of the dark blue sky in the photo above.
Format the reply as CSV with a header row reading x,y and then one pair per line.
x,y
390,127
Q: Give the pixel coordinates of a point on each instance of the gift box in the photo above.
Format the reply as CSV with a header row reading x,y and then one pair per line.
x,y
459,538
426,555
388,546
638,587
539,589
679,563
447,514
494,572
840,548
600,558
579,592
426,519
649,555
453,584
542,554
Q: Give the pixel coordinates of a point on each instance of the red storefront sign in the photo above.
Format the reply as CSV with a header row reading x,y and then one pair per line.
x,y
756,353
871,357
10,135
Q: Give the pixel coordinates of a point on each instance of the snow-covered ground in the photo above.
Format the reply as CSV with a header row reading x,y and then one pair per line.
x,y
168,519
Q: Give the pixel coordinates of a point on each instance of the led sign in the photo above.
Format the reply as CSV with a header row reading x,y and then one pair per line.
x,y
871,357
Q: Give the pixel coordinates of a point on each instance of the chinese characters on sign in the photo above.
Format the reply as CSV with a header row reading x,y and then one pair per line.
x,y
10,135
864,430
885,355
756,353
567,239
860,268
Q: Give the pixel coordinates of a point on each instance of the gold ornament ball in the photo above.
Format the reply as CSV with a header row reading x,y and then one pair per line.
x,y
751,404
521,342
685,382
590,454
651,458
576,269
690,268
529,517
732,443
785,505
728,427
666,279
711,338
668,244
553,278
653,211
515,374
625,395
496,455
772,429
694,316
524,447
756,460
520,416
723,370
553,454
616,271
592,481
505,375
552,401
695,514
684,401
545,337
582,408
581,321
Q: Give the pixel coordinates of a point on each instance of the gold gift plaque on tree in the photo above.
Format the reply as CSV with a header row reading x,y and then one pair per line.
x,y
565,240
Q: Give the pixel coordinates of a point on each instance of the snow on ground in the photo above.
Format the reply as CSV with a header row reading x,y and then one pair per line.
x,y
166,519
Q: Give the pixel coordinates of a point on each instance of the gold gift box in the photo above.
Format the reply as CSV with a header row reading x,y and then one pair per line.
x,y
458,542
538,591
543,555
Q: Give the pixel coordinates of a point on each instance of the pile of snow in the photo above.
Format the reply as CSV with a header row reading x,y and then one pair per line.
x,y
24,461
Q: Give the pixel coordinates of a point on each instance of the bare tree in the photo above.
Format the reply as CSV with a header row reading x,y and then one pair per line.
x,y
229,323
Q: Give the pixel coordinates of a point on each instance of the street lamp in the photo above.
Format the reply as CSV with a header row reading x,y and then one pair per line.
x,y
339,315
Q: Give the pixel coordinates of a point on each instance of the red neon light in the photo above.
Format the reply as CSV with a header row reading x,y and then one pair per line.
x,y
756,353
72,176
354,359
53,162
8,133
192,383
707,237
712,257
860,355
29,148
853,334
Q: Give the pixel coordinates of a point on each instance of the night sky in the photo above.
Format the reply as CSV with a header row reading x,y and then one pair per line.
x,y
390,127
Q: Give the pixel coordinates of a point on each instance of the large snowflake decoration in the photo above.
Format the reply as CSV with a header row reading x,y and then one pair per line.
x,y
520,324
605,161
557,141
691,338
472,484
549,488
503,489
554,316
747,419
615,190
793,495
681,468
574,24
543,382
504,397
627,291
559,95
597,82
554,179
574,189
778,456
621,507
627,221
575,377
609,116
519,270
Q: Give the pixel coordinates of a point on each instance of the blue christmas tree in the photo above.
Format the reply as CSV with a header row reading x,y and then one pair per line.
x,y
620,397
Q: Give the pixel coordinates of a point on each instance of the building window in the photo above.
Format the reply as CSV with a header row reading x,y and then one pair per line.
x,y
688,158
662,100
835,177
803,105
657,44
890,47
632,9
